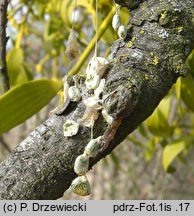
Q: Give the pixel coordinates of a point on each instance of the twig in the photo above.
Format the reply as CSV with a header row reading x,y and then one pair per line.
x,y
3,42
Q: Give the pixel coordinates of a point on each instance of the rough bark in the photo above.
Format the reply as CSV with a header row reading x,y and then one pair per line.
x,y
3,41
142,70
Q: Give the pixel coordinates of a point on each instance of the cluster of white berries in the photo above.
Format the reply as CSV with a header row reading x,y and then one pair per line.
x,y
118,27
94,72
80,185
93,103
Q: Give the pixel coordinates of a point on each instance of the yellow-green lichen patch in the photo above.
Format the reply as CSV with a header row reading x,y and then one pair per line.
x,y
178,67
163,18
179,29
128,85
146,76
82,76
152,54
130,44
133,39
142,32
155,60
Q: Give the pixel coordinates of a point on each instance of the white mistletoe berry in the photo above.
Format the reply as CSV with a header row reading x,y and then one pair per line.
x,y
93,147
74,93
116,22
97,64
81,164
81,186
122,32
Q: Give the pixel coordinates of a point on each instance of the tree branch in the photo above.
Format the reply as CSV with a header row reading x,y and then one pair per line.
x,y
142,70
3,42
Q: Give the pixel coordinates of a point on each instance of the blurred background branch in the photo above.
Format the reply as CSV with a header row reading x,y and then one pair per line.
x,y
3,41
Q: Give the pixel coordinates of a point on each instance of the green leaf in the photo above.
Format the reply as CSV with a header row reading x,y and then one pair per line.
x,y
28,72
67,8
16,69
187,91
178,88
157,123
124,15
86,3
142,130
23,101
150,148
190,62
174,149
14,61
178,95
